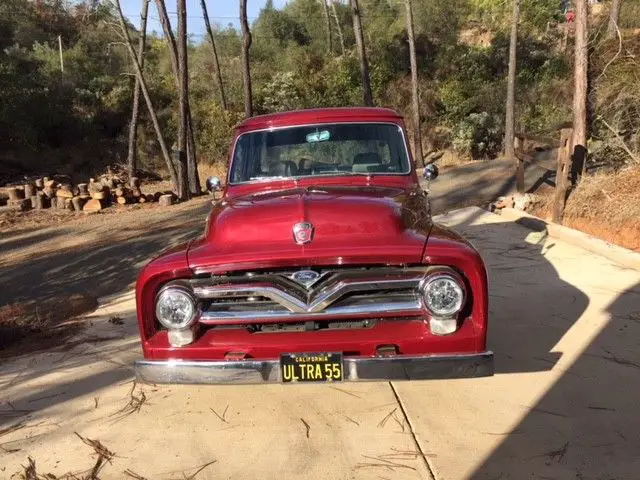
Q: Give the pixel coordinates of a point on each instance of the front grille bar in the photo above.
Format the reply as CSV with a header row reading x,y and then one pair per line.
x,y
270,298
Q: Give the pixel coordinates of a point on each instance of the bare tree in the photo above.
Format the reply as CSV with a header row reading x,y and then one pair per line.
x,y
338,26
614,19
132,157
415,92
183,99
194,180
216,63
327,20
246,72
572,153
364,63
510,121
147,97
581,64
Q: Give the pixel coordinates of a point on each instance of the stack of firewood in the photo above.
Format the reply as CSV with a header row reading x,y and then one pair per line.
x,y
94,196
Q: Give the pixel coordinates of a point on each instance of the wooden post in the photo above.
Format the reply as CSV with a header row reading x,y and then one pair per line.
x,y
562,173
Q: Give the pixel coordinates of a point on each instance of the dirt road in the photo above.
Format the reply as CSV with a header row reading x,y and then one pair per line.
x,y
563,404
481,182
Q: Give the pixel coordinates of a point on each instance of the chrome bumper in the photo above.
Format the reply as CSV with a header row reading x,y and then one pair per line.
x,y
356,369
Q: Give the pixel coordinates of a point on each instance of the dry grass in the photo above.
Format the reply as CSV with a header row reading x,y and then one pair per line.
x,y
611,196
212,170
605,205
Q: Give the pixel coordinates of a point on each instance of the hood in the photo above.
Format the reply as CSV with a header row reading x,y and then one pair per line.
x,y
365,225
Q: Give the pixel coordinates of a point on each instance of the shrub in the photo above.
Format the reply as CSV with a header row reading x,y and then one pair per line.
x,y
478,136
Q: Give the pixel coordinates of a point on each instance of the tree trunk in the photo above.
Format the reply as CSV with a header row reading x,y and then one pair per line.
x,y
147,97
415,92
364,64
183,99
246,73
327,25
132,157
216,64
194,181
338,26
581,63
614,19
510,120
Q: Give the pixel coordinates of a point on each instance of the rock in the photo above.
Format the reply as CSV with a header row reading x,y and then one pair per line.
x,y
523,201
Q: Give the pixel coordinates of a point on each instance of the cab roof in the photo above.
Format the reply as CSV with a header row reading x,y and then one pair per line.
x,y
319,115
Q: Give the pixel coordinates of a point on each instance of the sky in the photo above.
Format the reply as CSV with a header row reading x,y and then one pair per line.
x,y
221,12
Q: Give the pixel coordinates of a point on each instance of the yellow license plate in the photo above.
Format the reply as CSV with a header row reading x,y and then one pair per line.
x,y
311,367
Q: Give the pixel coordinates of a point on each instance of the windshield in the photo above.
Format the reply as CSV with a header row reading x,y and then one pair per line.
x,y
320,150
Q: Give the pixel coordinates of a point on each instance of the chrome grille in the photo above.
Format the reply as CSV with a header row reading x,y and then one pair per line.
x,y
273,297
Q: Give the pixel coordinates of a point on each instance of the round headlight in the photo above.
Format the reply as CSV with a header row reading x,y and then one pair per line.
x,y
175,308
443,295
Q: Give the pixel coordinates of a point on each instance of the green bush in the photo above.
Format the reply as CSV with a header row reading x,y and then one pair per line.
x,y
478,136
214,130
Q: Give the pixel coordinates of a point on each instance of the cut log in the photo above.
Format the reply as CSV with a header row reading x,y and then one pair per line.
x,y
142,199
108,182
29,190
122,200
22,204
37,201
166,200
134,182
64,193
78,203
150,198
39,183
49,192
123,192
93,205
156,196
83,189
136,192
103,195
96,187
15,193
49,183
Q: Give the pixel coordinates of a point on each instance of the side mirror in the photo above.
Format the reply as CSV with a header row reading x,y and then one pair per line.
x,y
214,184
431,172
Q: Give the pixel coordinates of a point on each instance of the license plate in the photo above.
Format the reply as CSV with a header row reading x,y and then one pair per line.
x,y
311,367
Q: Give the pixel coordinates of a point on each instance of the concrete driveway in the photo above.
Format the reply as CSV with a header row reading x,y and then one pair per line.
x,y
565,327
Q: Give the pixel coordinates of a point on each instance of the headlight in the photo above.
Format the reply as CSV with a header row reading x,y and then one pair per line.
x,y
443,295
175,308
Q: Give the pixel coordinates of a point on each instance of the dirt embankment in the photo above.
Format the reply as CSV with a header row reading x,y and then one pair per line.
x,y
605,205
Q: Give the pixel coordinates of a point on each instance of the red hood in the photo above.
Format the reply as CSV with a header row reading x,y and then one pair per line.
x,y
365,225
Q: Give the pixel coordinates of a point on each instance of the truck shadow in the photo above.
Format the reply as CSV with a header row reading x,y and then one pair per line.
x,y
585,425
97,269
530,306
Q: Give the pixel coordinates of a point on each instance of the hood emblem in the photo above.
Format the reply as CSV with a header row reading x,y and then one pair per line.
x,y
303,233
306,278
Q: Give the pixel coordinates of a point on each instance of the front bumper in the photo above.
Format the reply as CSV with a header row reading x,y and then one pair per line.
x,y
356,369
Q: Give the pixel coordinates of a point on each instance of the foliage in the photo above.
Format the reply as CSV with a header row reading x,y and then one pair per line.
x,y
479,135
77,121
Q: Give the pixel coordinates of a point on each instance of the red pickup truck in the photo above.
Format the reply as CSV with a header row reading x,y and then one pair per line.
x,y
320,262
